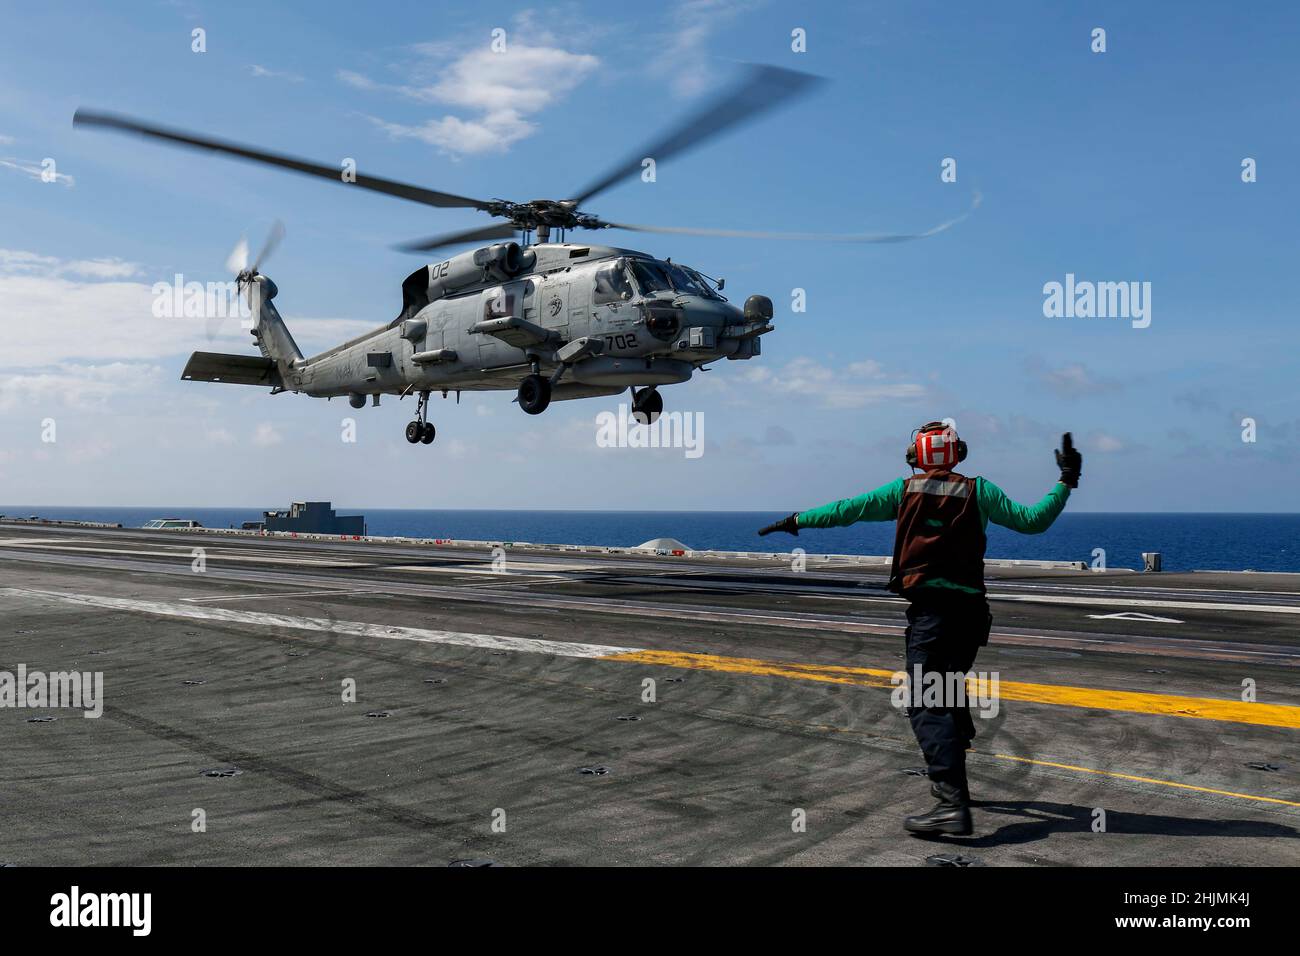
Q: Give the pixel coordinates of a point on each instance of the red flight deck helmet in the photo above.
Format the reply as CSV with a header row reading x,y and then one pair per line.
x,y
935,446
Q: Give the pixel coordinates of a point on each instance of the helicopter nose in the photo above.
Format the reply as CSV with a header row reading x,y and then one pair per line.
x,y
758,308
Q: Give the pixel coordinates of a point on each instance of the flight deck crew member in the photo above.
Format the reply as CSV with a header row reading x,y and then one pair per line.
x,y
938,566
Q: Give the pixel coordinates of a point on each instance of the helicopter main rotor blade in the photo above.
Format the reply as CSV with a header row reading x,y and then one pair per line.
x,y
760,89
126,124
864,237
498,230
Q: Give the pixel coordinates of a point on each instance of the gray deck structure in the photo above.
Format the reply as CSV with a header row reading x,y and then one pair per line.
x,y
485,690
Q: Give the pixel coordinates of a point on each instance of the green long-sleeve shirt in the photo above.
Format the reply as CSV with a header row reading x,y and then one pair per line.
x,y
882,504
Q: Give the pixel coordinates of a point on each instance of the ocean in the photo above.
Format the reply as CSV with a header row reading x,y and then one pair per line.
x,y
1223,542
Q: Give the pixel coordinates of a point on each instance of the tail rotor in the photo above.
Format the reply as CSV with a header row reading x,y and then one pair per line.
x,y
237,263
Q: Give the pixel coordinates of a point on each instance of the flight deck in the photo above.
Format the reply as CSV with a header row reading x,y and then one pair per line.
x,y
341,701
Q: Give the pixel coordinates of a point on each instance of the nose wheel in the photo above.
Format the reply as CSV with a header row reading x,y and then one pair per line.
x,y
647,405
421,431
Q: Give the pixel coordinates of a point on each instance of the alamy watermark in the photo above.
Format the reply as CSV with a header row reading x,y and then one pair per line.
x,y
1083,299
933,689
39,690
179,299
683,430
133,911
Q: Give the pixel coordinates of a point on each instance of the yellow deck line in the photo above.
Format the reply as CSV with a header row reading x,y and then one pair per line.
x,y
1168,705
1129,776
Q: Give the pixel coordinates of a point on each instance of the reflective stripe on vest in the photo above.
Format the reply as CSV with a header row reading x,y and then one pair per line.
x,y
931,486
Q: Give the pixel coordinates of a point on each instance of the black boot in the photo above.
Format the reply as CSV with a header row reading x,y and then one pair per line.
x,y
950,816
934,792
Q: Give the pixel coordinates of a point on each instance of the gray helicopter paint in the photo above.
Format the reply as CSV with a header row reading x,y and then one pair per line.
x,y
554,294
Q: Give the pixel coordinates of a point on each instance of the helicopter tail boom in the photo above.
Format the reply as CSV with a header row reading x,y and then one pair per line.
x,y
272,335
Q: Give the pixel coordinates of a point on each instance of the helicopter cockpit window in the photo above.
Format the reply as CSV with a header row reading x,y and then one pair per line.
x,y
706,288
655,276
689,281
650,276
611,284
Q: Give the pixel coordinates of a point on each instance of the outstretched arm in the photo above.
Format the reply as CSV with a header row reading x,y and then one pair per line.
x,y
1027,519
880,504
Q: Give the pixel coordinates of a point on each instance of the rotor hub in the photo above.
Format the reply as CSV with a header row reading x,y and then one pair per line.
x,y
544,213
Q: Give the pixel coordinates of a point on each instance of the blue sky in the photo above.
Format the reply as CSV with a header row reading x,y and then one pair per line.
x,y
1118,166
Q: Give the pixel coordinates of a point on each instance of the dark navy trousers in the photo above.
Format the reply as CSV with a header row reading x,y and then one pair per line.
x,y
944,633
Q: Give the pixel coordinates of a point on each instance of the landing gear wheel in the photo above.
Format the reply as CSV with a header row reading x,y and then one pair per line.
x,y
647,406
414,430
534,394
427,433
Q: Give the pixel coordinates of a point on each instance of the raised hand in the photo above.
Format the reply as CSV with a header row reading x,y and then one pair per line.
x,y
1069,461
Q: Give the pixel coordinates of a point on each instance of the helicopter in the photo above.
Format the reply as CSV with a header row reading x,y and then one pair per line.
x,y
529,311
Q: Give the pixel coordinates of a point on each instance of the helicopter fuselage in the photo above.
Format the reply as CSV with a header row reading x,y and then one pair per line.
x,y
604,319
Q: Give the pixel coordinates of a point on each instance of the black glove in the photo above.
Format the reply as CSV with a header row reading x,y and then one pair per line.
x,y
1069,461
789,525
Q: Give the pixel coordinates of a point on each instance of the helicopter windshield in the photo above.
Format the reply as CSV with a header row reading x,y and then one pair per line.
x,y
650,276
653,276
689,281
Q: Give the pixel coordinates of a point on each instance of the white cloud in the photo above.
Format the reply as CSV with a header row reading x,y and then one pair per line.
x,y
262,72
522,78
360,81
75,385
694,22
57,311
13,261
495,132
51,317
81,453
102,268
855,386
19,260
498,91
1072,380
773,436
265,436
1103,442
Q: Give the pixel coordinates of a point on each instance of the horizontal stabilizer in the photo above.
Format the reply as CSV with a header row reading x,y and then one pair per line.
x,y
232,369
